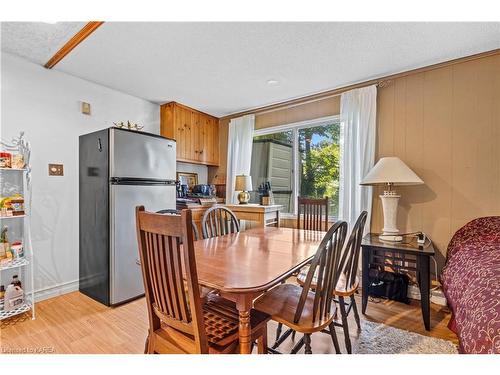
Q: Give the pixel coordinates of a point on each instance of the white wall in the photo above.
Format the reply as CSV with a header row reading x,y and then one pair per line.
x,y
201,170
46,105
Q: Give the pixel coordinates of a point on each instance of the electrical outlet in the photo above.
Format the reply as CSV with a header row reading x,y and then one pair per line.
x,y
56,170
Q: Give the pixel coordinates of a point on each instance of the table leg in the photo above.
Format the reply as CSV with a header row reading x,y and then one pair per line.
x,y
423,270
244,305
365,270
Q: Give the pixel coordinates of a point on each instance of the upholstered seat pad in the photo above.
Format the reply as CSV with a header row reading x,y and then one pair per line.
x,y
281,303
341,288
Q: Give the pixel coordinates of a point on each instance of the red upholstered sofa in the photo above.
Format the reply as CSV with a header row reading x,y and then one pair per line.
x,y
471,283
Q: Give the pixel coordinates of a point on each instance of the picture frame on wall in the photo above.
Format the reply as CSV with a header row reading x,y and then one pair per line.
x,y
188,178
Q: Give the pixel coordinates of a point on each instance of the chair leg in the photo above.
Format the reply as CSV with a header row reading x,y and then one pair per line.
x,y
149,349
345,325
333,334
262,342
297,346
355,309
278,331
282,338
293,335
307,341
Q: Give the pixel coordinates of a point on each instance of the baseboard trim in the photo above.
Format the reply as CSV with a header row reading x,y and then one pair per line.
x,y
56,290
437,296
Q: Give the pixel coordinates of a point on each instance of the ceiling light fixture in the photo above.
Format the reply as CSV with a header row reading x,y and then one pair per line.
x,y
272,82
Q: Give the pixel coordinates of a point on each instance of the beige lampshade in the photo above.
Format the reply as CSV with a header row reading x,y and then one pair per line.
x,y
391,170
243,183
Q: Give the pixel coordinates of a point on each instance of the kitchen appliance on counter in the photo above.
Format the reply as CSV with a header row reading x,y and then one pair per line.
x,y
202,194
203,190
119,169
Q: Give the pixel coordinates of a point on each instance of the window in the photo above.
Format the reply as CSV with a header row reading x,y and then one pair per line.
x,y
298,160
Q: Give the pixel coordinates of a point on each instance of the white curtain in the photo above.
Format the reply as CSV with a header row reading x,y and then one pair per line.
x,y
239,152
358,110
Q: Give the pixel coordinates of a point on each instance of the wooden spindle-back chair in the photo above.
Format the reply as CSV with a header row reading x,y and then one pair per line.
x,y
219,221
312,213
178,320
348,282
308,310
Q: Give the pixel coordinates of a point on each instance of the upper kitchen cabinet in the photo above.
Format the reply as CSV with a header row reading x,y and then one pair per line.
x,y
196,133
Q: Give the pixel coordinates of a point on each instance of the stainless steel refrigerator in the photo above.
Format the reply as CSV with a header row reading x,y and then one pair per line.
x,y
119,169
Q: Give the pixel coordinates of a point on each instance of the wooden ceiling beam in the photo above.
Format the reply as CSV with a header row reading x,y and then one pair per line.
x,y
79,37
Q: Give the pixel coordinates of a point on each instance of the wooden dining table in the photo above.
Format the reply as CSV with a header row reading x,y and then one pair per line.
x,y
244,265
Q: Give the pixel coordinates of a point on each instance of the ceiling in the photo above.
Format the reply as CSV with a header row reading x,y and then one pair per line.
x,y
223,68
37,41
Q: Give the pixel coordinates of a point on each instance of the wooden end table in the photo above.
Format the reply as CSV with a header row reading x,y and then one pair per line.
x,y
400,256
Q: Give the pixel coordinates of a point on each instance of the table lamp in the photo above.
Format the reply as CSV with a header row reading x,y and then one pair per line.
x,y
243,185
390,171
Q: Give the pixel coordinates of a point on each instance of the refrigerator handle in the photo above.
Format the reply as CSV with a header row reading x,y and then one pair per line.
x,y
99,144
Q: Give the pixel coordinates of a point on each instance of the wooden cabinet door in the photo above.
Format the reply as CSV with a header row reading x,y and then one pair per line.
x,y
215,141
179,131
212,141
188,135
205,144
196,133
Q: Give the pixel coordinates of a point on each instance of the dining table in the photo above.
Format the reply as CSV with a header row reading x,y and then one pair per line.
x,y
242,266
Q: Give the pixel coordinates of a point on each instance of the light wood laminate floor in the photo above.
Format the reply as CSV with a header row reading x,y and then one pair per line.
x,y
74,323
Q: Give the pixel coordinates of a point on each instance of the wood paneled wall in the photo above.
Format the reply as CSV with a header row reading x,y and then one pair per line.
x,y
445,124
302,112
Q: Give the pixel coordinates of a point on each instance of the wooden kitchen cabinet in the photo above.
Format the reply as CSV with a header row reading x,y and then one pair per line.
x,y
196,133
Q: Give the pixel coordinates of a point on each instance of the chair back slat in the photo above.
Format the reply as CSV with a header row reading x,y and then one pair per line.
x,y
350,257
167,259
219,221
312,213
169,211
325,265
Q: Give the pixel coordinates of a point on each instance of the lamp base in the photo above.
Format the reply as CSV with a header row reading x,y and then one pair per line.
x,y
244,197
390,202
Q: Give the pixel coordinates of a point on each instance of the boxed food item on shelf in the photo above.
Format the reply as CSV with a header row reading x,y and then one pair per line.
x,y
12,206
17,161
5,160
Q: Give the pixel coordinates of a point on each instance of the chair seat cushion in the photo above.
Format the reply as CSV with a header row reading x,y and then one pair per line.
x,y
281,303
340,290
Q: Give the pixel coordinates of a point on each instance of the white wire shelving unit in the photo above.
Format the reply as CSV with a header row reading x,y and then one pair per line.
x,y
23,265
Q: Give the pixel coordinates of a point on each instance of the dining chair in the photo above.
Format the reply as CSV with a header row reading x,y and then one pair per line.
x,y
348,283
219,221
304,309
313,212
314,215
204,291
178,320
169,211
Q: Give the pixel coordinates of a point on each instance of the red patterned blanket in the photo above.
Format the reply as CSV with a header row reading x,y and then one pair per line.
x,y
471,284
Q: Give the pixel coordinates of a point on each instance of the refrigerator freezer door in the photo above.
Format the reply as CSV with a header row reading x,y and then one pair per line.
x,y
139,155
125,269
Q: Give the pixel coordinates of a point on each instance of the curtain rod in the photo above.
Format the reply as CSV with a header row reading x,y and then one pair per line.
x,y
381,84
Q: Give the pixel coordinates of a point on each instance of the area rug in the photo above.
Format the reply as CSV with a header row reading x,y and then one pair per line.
x,y
376,338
